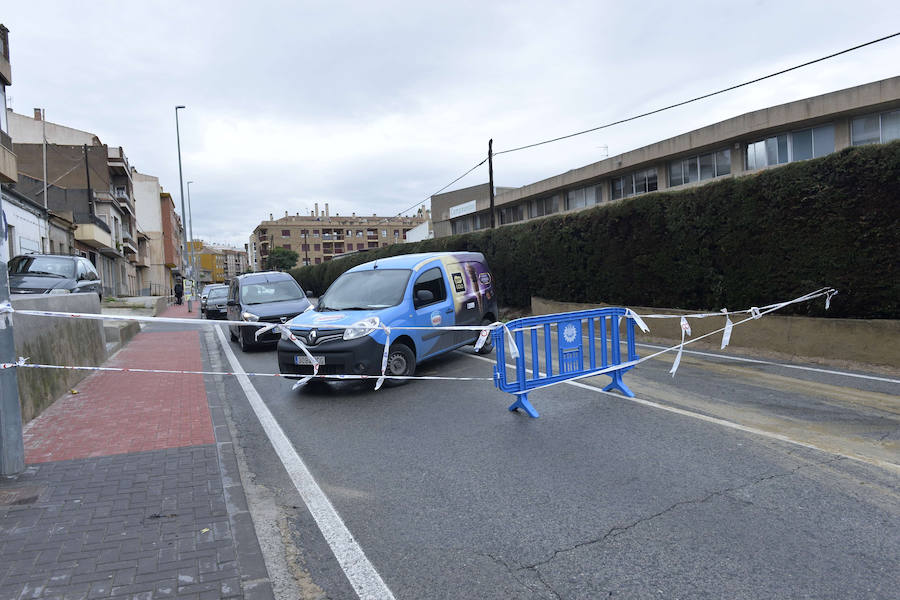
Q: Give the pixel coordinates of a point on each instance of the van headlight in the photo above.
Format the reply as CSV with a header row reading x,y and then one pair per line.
x,y
249,316
362,328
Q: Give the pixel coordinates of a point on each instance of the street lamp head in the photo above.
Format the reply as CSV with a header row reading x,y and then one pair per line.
x,y
179,106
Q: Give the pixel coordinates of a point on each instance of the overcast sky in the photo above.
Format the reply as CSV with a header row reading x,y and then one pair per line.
x,y
373,106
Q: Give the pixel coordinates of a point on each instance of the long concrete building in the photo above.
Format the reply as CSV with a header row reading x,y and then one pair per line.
x,y
742,145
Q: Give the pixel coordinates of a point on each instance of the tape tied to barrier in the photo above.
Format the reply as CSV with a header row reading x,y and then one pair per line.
x,y
7,310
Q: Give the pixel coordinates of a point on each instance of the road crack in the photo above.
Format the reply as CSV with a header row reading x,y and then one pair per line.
x,y
620,529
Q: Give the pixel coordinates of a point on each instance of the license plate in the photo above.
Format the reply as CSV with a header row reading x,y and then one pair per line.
x,y
302,359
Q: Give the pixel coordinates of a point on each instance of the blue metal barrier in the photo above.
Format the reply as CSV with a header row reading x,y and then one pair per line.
x,y
579,336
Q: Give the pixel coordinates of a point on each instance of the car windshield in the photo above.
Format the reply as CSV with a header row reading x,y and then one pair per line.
x,y
364,290
271,291
216,293
42,265
207,289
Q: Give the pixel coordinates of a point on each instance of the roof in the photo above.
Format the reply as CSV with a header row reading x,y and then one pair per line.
x,y
416,261
264,276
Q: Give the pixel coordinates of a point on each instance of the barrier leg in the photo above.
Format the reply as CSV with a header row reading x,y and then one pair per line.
x,y
618,384
523,403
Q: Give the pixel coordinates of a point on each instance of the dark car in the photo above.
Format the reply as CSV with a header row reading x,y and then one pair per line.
x,y
208,288
53,274
270,297
215,302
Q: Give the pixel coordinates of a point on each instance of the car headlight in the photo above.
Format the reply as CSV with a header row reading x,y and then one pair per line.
x,y
58,291
249,316
362,328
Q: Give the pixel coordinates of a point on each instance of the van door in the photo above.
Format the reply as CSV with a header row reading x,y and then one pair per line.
x,y
465,299
432,308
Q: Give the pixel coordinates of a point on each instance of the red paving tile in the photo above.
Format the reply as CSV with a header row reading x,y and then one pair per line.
x,y
117,413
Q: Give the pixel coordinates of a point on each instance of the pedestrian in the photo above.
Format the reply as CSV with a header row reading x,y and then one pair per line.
x,y
179,292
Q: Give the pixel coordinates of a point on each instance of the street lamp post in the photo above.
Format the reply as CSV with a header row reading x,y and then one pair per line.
x,y
184,230
194,271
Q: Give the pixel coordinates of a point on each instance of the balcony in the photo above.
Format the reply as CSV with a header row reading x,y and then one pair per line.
x,y
8,167
94,235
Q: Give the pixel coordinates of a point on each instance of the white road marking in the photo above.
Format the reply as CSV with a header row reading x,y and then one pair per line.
x,y
729,424
776,364
356,566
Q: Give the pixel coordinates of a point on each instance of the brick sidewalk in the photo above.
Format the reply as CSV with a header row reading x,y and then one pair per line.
x,y
123,494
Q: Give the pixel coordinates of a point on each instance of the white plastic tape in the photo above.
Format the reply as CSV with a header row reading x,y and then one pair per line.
x,y
726,334
637,319
384,357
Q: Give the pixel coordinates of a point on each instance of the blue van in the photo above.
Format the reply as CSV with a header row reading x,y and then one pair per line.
x,y
436,289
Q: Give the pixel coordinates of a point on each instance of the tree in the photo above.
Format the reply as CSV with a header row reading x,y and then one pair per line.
x,y
281,259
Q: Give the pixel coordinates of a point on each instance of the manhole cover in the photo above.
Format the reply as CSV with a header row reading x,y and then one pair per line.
x,y
19,495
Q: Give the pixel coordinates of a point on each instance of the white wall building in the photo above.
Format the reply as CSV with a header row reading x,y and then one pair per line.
x,y
26,225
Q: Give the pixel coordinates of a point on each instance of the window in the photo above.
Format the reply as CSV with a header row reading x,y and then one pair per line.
x,y
316,247
315,233
582,197
285,233
318,260
359,233
432,281
286,246
790,147
304,247
639,182
384,233
4,126
512,214
699,168
874,129
396,233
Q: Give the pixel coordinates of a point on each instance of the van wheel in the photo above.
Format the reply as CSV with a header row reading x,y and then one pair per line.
x,y
488,346
401,361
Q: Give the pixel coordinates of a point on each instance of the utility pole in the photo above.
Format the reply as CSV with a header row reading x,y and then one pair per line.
x,y
184,222
491,177
12,444
191,227
44,143
87,170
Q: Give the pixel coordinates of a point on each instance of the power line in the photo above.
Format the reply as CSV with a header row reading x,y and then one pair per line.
x,y
442,189
677,104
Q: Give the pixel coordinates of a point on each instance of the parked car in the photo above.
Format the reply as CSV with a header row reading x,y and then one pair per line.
x,y
269,297
53,274
205,293
215,303
437,289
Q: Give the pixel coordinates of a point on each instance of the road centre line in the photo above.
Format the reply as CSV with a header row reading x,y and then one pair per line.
x,y
360,572
722,422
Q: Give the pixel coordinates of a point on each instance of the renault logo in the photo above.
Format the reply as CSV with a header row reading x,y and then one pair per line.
x,y
312,336
284,319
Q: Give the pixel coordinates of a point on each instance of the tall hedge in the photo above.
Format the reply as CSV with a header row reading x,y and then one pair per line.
x,y
743,241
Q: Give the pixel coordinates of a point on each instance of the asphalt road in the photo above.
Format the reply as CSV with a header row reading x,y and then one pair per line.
x,y
451,496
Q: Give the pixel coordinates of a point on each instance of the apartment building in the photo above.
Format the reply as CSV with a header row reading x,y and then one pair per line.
x,y
155,207
8,168
172,238
739,146
91,181
320,237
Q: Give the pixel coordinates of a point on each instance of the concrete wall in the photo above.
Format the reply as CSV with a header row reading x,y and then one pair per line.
x,y
869,341
55,341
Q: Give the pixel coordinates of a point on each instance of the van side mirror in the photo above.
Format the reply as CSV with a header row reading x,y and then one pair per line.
x,y
231,303
309,294
424,297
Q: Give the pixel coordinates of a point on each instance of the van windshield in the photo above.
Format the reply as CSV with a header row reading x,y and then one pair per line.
x,y
366,290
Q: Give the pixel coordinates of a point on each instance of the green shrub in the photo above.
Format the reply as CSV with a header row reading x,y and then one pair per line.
x,y
751,240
